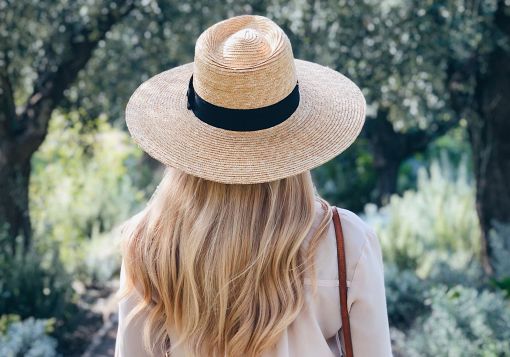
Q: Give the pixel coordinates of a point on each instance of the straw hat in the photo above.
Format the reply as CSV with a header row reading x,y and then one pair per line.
x,y
245,111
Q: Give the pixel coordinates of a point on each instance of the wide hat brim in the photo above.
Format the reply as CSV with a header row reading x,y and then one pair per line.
x,y
330,116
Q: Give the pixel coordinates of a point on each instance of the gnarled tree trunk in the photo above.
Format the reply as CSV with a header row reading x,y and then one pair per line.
x,y
21,134
487,112
14,180
489,135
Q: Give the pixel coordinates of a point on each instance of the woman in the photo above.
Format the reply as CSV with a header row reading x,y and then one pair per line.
x,y
235,254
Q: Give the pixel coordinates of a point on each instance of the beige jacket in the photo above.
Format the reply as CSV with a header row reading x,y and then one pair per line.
x,y
315,332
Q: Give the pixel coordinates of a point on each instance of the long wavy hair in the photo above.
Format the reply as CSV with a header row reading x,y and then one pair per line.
x,y
222,265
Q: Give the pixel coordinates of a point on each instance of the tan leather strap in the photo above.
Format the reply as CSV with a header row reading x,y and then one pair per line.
x,y
342,278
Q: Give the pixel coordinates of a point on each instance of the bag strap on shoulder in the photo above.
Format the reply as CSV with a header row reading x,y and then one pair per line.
x,y
342,278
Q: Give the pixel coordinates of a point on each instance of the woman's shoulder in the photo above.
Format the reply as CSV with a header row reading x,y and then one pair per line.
x,y
360,241
358,237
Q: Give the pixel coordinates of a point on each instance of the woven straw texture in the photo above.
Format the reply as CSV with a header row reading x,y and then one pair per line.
x,y
246,62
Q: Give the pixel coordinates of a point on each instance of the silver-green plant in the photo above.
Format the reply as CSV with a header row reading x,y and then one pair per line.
x,y
500,246
462,322
28,338
102,258
435,223
405,296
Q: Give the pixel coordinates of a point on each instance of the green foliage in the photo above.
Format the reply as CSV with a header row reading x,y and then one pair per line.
x,y
156,35
429,318
349,178
34,284
453,147
439,303
6,321
101,259
82,183
500,246
469,275
462,322
436,223
405,296
367,40
28,338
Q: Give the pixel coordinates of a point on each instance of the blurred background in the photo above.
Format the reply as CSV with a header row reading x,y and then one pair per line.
x,y
430,171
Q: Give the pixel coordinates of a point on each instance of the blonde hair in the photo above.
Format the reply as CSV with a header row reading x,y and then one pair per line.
x,y
222,265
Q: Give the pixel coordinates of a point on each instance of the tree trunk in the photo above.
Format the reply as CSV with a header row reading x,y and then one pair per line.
x,y
487,111
488,133
22,134
14,211
388,153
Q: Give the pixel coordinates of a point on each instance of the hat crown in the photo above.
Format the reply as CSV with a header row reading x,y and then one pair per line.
x,y
246,46
244,62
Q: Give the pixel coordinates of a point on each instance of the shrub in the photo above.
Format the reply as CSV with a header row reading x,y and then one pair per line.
x,y
499,239
28,338
500,245
436,223
83,183
102,259
462,322
405,296
34,284
471,274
